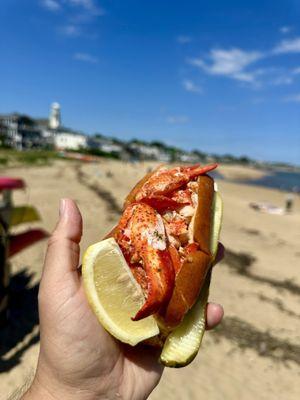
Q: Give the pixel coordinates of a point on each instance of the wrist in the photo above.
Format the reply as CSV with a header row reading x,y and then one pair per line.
x,y
37,391
48,388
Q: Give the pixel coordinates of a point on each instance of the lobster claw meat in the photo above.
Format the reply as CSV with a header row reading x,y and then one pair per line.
x,y
141,236
163,182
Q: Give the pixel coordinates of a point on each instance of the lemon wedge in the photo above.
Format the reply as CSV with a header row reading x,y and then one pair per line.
x,y
113,293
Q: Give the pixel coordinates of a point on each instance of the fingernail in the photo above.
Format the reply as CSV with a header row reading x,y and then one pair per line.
x,y
62,207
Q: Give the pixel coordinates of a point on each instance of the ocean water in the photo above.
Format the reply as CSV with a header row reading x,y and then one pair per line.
x,y
287,181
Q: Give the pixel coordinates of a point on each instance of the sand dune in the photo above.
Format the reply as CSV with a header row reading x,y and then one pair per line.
x,y
254,354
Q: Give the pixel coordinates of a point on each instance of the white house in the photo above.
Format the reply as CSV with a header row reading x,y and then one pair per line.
x,y
149,152
69,140
189,158
111,148
105,144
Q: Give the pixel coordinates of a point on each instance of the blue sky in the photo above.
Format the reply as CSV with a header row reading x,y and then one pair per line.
x,y
220,76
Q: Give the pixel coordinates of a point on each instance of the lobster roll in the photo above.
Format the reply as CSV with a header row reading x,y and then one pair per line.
x,y
164,234
167,238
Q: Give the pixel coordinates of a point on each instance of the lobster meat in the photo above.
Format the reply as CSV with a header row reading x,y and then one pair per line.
x,y
156,236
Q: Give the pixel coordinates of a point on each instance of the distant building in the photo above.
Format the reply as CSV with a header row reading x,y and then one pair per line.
x,y
104,144
3,132
111,148
62,138
20,131
67,139
23,132
149,152
190,158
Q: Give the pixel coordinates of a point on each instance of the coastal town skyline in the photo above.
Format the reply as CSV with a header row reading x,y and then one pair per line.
x,y
25,132
211,78
16,129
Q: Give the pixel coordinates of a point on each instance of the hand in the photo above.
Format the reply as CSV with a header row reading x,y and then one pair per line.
x,y
78,358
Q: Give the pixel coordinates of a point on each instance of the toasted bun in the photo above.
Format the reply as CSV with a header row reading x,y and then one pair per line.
x,y
203,214
191,276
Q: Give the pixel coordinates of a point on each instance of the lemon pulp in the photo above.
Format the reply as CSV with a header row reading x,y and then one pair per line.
x,y
113,293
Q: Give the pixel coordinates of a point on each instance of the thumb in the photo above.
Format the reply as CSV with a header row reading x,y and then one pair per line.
x,y
62,256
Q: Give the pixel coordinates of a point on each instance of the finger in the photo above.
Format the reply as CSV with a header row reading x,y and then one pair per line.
x,y
63,250
214,315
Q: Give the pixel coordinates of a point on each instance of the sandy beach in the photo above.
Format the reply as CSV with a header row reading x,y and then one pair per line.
x,y
254,354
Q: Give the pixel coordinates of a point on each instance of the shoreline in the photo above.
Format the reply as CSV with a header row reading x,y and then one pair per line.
x,y
237,173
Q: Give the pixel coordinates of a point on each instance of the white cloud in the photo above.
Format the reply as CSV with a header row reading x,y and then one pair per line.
x,y
190,86
288,46
285,29
296,71
70,30
248,77
283,80
177,119
79,15
85,57
88,5
240,65
183,39
292,98
51,5
230,63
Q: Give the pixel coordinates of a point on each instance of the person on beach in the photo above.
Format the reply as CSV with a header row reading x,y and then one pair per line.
x,y
78,359
289,202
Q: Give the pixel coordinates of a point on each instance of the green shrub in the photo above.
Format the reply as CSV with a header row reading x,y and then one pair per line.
x,y
3,161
